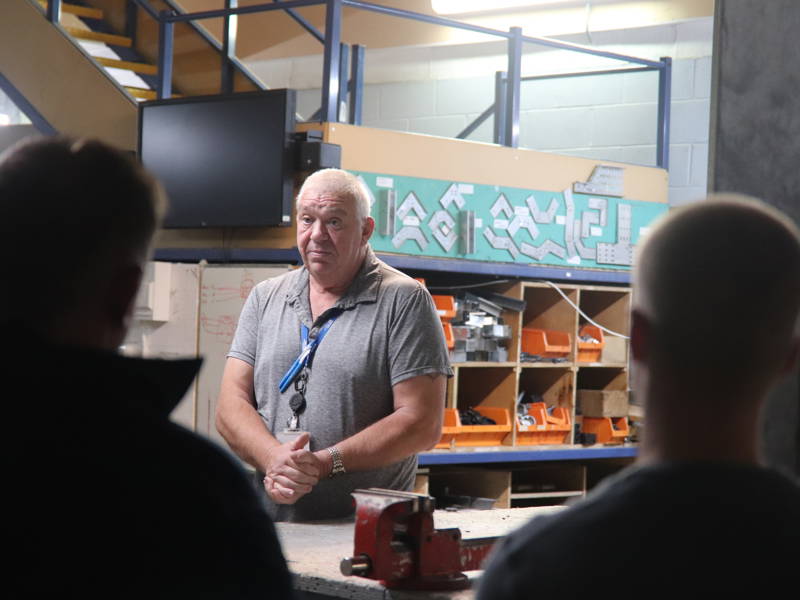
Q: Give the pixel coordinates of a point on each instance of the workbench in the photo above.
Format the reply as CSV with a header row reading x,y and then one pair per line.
x,y
313,552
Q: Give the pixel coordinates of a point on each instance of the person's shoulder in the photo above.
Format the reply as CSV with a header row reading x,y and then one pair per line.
x,y
202,452
398,281
198,467
603,507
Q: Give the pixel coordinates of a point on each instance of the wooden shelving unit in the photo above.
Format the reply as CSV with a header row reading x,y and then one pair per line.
x,y
498,385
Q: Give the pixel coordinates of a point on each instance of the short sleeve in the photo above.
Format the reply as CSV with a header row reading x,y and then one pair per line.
x,y
416,344
245,340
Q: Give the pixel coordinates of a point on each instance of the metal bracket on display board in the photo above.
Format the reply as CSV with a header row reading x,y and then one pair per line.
x,y
387,212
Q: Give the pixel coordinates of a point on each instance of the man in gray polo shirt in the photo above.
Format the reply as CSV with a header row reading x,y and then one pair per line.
x,y
337,374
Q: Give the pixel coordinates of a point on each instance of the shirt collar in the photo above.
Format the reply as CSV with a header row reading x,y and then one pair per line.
x,y
151,385
364,287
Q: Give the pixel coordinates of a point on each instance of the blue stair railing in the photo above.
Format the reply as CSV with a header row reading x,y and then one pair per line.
x,y
336,85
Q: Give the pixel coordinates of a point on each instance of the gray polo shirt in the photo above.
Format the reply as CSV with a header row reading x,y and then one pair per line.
x,y
388,331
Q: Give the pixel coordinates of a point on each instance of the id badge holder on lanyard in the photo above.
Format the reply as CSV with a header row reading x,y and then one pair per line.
x,y
298,374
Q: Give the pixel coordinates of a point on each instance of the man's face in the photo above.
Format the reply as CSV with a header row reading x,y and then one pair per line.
x,y
330,236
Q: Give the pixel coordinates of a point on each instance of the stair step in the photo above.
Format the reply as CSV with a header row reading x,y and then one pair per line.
x,y
136,67
142,93
79,11
106,38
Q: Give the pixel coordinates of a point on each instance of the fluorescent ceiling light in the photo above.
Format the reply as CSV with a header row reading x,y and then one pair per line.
x,y
5,119
461,7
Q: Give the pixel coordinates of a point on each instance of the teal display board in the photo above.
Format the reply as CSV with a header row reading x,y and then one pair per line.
x,y
446,219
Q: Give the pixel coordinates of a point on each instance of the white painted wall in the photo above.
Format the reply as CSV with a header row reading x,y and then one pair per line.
x,y
440,90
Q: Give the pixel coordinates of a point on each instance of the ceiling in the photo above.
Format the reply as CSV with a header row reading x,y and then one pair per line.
x,y
269,35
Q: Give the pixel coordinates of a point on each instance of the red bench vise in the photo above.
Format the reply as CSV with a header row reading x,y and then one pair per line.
x,y
396,543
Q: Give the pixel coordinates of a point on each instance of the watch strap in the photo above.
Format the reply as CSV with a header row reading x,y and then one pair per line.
x,y
338,465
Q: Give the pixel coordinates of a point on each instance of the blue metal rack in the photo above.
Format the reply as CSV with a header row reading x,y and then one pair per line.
x,y
400,261
509,455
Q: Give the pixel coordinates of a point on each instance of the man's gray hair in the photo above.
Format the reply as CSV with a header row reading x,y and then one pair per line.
x,y
342,184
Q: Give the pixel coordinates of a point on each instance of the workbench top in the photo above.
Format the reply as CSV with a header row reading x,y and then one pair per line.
x,y
313,552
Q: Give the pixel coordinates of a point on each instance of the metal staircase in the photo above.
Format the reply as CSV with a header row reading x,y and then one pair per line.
x,y
82,69
114,52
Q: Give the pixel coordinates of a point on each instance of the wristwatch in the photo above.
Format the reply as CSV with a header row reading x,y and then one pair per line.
x,y
338,465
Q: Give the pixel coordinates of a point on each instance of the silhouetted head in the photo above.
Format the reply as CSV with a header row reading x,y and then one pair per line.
x,y
717,295
77,218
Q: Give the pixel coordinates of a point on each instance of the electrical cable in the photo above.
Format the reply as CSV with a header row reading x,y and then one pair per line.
x,y
580,312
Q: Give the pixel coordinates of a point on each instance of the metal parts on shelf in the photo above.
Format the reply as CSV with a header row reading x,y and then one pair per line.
x,y
478,330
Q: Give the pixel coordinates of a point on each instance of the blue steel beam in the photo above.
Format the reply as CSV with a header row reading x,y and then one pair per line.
x,y
228,48
344,65
330,61
387,10
243,10
304,24
497,269
513,80
131,20
21,102
204,35
405,262
499,107
588,73
664,100
54,11
448,457
166,33
467,131
356,84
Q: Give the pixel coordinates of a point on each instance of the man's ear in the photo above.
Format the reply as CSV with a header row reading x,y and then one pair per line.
x,y
369,227
641,336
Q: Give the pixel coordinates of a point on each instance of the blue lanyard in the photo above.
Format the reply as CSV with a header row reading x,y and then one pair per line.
x,y
306,353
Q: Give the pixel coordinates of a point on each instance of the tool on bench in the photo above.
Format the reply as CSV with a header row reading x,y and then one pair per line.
x,y
397,544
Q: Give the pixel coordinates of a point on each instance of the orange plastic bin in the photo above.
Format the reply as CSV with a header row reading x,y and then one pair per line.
x,y
609,430
590,351
445,306
546,343
550,428
456,434
448,335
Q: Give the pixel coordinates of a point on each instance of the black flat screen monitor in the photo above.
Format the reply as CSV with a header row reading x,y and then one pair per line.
x,y
225,161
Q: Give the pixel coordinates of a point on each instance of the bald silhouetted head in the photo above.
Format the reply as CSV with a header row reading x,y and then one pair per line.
x,y
718,283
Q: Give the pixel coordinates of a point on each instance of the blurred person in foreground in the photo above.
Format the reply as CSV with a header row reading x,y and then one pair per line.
x,y
103,495
716,295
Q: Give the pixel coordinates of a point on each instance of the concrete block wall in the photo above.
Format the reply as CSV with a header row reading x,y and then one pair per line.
x,y
604,117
